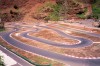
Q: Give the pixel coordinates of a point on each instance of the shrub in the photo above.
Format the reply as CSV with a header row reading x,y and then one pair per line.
x,y
1,62
82,14
96,9
51,9
11,12
16,7
55,14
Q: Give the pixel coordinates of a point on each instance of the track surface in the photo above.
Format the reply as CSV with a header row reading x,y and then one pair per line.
x,y
69,60
84,42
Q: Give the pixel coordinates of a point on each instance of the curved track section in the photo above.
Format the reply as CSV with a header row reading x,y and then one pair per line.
x,y
83,42
69,60
81,31
66,59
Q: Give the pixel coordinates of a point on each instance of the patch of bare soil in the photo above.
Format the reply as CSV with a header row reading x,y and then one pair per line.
x,y
33,57
53,36
89,51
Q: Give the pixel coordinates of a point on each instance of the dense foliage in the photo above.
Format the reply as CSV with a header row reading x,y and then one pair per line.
x,y
96,9
52,9
55,14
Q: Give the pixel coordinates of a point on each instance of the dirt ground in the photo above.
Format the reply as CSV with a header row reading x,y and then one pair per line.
x,y
53,36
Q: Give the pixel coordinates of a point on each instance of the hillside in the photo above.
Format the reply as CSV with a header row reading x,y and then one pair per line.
x,y
29,10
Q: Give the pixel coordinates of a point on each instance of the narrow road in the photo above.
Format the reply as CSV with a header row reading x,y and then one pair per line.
x,y
20,61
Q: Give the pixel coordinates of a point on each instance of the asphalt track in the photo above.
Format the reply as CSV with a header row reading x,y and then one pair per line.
x,y
80,31
83,42
68,60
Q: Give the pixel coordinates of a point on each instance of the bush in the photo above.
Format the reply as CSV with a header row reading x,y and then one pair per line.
x,y
55,14
11,12
96,9
16,7
82,14
51,9
1,62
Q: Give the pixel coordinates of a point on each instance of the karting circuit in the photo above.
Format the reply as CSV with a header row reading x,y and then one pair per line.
x,y
30,34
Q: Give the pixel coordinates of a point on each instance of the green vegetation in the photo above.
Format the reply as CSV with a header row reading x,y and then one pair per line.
x,y
96,9
52,9
1,63
47,5
82,14
55,14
